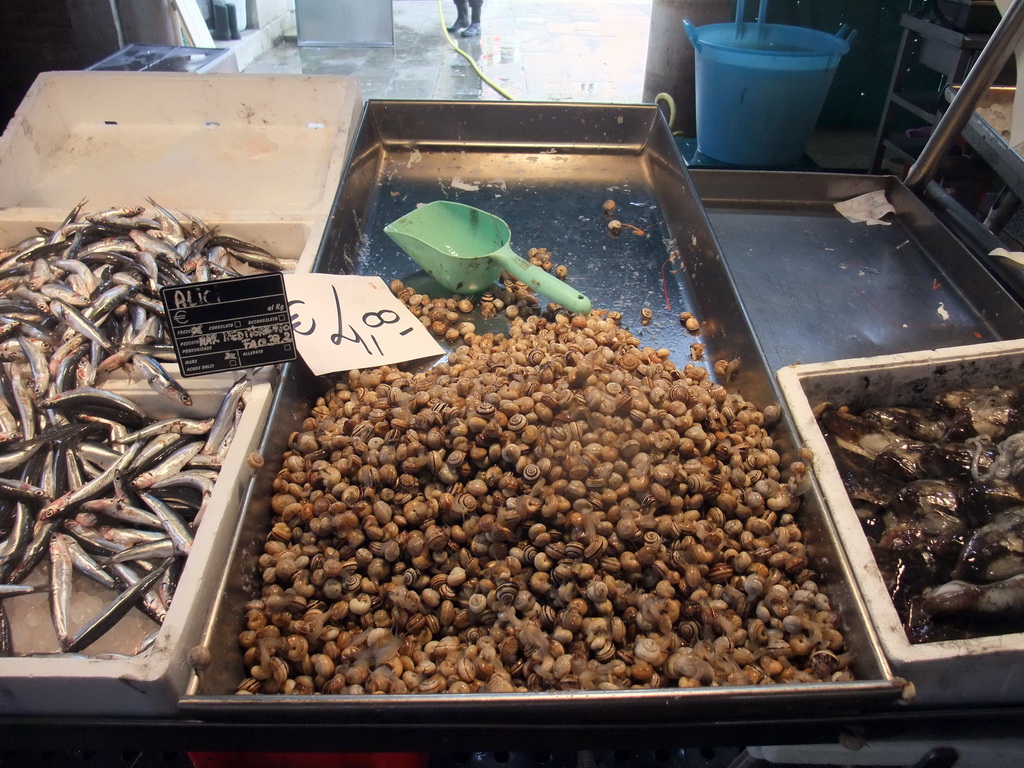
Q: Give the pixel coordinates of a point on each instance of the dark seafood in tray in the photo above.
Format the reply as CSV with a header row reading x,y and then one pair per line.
x,y
940,494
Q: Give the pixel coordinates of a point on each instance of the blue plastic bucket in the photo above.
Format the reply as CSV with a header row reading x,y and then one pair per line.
x,y
760,89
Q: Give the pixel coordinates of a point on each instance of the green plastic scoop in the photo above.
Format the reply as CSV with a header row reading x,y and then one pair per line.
x,y
466,250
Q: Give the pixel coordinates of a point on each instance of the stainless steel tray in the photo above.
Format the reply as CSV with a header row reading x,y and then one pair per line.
x,y
817,287
545,169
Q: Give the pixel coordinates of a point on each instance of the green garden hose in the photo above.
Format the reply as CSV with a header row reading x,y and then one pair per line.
x,y
444,28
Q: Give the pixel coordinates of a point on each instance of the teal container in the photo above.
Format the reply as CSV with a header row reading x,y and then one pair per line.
x,y
760,88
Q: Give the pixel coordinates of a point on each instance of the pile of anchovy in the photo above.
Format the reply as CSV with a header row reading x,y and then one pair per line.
x,y
88,480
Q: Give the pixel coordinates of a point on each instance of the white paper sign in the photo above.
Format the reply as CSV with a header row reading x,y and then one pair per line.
x,y
868,208
343,322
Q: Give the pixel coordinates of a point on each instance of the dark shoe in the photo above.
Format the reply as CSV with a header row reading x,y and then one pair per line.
x,y
460,24
473,30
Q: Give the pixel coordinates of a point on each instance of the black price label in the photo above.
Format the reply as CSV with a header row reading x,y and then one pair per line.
x,y
224,325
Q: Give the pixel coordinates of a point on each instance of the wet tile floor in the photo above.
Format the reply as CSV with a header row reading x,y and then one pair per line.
x,y
558,50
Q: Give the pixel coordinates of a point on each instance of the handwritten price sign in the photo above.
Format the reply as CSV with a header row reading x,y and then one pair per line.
x,y
342,322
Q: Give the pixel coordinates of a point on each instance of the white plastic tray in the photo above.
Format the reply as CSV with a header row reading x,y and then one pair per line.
x,y
264,151
152,682
989,669
225,144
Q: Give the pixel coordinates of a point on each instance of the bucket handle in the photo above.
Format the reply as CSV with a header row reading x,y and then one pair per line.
x,y
692,33
847,34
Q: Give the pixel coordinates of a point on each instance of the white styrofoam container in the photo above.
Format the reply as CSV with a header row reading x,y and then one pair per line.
x,y
982,670
263,152
260,157
150,683
222,144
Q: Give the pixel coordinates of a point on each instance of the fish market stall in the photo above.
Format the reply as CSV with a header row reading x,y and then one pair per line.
x,y
581,529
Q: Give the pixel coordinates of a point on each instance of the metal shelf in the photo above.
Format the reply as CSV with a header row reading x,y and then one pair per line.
x,y
946,51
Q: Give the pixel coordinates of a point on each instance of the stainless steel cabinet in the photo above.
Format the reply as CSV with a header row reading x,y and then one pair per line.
x,y
345,22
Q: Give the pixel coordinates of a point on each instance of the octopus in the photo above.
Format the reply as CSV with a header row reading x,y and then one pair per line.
x,y
939,491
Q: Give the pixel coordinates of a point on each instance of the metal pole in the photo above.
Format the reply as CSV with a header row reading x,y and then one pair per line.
x,y
993,56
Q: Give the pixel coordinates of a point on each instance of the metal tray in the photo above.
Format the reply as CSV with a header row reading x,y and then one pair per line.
x,y
545,169
817,287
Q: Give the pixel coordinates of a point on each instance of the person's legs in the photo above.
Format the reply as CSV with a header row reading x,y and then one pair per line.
x,y
462,21
473,30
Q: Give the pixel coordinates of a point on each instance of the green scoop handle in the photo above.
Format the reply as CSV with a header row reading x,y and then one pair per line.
x,y
542,282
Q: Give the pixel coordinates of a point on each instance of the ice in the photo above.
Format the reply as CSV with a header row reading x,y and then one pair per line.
x,y
32,627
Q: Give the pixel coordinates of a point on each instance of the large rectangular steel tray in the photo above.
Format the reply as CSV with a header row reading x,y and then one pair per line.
x,y
817,287
546,169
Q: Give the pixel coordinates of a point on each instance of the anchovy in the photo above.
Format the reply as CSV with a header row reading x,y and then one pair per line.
x,y
14,457
63,361
9,427
85,327
80,270
33,299
130,537
19,489
177,529
224,421
84,562
36,352
155,245
101,455
91,398
21,532
161,381
150,601
61,568
171,228
24,403
31,554
40,274
115,430
64,294
146,643
148,551
16,590
239,246
191,479
114,296
181,426
107,214
66,503
92,537
118,509
170,467
115,611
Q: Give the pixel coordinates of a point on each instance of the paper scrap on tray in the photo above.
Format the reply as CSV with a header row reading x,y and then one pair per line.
x,y
868,208
344,322
1015,256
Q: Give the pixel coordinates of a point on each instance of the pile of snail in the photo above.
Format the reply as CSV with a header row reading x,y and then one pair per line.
x,y
552,508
